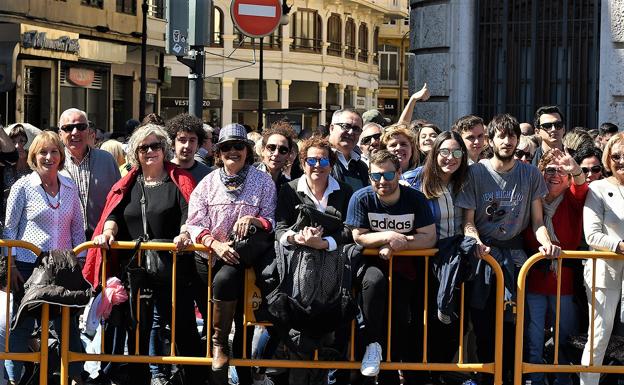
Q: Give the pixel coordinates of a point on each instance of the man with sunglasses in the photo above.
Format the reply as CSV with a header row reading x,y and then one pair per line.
x,y
344,133
391,217
186,133
370,140
501,198
550,127
94,170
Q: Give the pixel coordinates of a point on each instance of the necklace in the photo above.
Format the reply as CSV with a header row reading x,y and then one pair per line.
x,y
58,198
153,182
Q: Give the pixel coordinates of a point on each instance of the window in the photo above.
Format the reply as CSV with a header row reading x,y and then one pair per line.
x,y
126,6
534,53
363,43
156,8
334,35
273,41
247,89
216,33
350,39
93,3
376,45
389,64
306,30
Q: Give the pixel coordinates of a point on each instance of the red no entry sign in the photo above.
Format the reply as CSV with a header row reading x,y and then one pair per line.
x,y
256,18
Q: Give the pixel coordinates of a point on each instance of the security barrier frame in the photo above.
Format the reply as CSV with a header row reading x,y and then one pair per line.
x,y
521,367
67,356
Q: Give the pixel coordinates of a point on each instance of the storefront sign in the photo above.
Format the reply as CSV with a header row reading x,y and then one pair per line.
x,y
40,40
82,77
179,102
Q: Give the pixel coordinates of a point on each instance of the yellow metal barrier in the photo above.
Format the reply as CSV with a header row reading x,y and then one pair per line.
x,y
40,357
521,367
494,368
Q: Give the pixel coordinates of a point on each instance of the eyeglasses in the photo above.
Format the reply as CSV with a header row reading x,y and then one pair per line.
x,y
552,171
388,175
228,146
558,125
593,169
153,146
521,154
283,150
346,127
445,152
616,157
77,126
368,139
312,161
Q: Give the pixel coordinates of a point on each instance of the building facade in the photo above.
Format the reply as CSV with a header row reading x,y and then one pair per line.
x,y
56,54
323,59
487,57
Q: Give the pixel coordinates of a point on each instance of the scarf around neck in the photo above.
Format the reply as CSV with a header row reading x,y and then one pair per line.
x,y
234,183
549,212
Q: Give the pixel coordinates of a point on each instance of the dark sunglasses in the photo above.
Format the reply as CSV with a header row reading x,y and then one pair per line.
x,y
367,139
593,169
521,154
346,127
283,150
77,126
312,162
445,152
616,157
228,146
154,146
388,175
547,126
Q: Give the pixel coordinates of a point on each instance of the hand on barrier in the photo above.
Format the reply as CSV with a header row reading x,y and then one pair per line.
x,y
550,251
104,240
385,253
225,252
482,250
182,241
397,241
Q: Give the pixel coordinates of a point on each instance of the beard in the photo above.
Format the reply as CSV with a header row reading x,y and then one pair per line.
x,y
504,158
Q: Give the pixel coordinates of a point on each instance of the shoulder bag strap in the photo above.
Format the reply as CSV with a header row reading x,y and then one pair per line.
x,y
143,210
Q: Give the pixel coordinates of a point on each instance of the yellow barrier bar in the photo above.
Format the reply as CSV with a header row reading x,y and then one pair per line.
x,y
174,302
209,313
558,310
103,281
64,346
245,278
20,245
43,355
7,291
521,367
138,313
498,332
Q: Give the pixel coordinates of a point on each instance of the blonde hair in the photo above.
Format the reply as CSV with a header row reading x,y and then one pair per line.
x,y
116,150
40,141
402,129
606,155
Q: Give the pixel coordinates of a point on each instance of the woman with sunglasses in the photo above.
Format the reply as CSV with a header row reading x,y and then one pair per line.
x,y
230,200
166,190
525,151
562,208
42,208
604,231
277,144
317,188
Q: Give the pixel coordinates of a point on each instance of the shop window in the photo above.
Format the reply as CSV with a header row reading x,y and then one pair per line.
x,y
350,39
126,6
306,30
86,89
389,64
363,43
334,35
247,89
93,3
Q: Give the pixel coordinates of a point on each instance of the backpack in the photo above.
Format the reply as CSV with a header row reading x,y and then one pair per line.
x,y
313,293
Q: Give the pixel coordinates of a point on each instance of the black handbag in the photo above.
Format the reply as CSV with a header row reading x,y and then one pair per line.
x,y
255,245
158,263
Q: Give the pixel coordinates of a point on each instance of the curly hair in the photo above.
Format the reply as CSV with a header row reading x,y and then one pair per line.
x,y
280,127
139,135
187,123
316,142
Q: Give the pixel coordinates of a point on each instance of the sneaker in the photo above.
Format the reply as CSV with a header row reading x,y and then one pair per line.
x,y
159,381
371,360
265,380
232,376
444,318
331,376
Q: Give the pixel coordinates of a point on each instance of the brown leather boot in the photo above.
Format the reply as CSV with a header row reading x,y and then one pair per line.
x,y
222,317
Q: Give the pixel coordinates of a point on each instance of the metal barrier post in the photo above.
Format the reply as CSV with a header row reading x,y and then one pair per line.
x,y
64,346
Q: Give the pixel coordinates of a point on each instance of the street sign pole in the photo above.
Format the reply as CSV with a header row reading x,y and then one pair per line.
x,y
261,87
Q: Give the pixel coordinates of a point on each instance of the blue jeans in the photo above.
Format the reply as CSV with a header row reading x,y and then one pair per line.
x,y
18,343
537,307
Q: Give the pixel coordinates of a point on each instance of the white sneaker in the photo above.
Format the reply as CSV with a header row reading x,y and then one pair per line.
x,y
371,360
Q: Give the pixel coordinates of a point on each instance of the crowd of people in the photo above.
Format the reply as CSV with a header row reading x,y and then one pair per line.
x,y
505,188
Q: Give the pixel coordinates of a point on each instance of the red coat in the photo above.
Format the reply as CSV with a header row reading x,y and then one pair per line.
x,y
91,270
